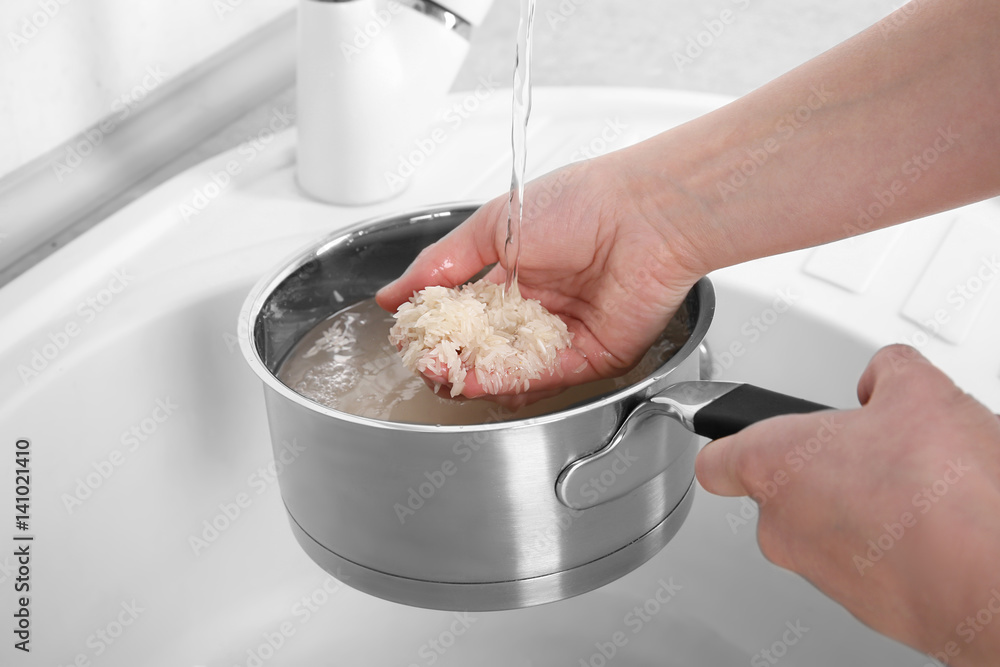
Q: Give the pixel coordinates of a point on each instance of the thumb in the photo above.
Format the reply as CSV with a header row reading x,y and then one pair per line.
x,y
461,254
718,467
740,464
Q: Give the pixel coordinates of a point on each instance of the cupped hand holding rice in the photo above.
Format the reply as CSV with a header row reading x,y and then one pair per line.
x,y
506,341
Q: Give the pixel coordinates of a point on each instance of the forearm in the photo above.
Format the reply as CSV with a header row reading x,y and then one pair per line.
x,y
899,122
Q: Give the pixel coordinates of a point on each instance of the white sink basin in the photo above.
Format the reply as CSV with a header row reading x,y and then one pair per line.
x,y
160,537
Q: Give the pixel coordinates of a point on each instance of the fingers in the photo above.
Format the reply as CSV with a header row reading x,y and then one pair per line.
x,y
761,458
572,368
743,463
887,367
453,259
899,375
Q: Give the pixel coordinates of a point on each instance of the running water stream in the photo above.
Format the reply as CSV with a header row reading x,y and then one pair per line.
x,y
520,112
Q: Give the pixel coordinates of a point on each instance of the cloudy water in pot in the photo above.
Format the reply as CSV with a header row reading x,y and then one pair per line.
x,y
347,363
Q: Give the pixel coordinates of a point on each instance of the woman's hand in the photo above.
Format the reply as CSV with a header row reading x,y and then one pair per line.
x,y
590,253
613,244
892,510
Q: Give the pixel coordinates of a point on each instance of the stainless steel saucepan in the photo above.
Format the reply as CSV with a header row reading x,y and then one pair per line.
x,y
488,516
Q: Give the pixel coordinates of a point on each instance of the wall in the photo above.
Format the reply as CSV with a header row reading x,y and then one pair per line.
x,y
645,42
67,64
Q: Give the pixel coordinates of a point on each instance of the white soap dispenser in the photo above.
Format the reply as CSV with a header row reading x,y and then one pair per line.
x,y
370,75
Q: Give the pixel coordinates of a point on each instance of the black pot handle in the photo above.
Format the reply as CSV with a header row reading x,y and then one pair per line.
x,y
718,409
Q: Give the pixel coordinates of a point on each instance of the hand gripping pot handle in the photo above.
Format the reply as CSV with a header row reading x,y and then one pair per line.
x,y
710,409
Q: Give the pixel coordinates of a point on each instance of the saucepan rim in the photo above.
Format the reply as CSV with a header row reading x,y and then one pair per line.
x,y
258,296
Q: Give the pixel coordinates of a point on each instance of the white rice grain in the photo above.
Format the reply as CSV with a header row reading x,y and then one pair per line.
x,y
507,342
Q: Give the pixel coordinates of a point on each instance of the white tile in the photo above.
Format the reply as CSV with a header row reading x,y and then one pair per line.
x,y
852,263
959,280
